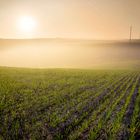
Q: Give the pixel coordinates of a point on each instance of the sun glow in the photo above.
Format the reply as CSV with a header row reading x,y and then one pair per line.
x,y
27,24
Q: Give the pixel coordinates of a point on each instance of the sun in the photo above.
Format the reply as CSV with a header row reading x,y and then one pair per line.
x,y
26,24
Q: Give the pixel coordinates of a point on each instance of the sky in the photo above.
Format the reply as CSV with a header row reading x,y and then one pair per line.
x,y
90,19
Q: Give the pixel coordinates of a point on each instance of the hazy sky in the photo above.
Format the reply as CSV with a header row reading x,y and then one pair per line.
x,y
98,19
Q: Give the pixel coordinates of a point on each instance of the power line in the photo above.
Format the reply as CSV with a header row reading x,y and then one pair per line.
x,y
130,37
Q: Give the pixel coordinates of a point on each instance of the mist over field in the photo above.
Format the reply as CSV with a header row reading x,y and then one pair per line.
x,y
69,69
69,53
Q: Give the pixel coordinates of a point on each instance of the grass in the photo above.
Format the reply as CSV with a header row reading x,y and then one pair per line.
x,y
69,104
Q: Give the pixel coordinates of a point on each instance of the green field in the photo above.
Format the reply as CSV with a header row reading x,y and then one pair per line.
x,y
71,104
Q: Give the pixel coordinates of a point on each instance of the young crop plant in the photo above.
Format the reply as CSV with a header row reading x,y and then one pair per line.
x,y
69,104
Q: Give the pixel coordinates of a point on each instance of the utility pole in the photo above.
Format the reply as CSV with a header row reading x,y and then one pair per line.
x,y
130,37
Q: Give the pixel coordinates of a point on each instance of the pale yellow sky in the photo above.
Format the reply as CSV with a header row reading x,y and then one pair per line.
x,y
96,19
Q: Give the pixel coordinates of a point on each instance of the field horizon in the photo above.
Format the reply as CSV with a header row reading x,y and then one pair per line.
x,y
69,69
59,53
